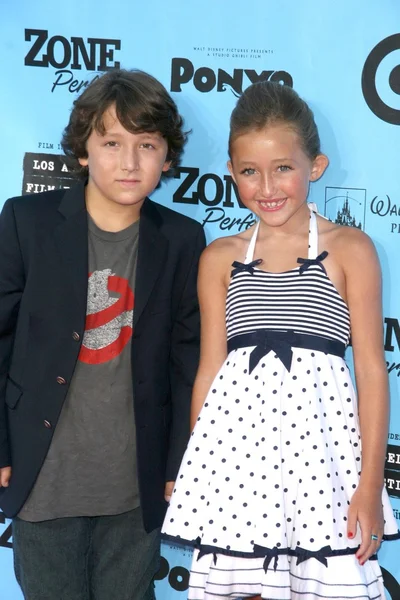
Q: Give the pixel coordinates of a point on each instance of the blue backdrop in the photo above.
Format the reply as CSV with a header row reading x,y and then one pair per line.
x,y
342,57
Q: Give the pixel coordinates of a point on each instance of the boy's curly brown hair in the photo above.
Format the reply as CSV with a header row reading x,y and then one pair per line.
x,y
142,104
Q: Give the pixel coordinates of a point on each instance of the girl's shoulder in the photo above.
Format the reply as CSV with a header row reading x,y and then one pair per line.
x,y
345,241
229,247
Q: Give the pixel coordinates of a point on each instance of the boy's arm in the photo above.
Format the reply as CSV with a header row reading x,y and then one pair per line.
x,y
185,348
12,279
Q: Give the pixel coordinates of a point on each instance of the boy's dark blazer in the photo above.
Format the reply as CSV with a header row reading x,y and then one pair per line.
x,y
43,293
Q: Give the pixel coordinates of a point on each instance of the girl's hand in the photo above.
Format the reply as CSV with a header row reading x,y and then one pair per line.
x,y
366,510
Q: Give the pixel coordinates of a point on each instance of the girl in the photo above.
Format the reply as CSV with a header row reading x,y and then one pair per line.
x,y
271,490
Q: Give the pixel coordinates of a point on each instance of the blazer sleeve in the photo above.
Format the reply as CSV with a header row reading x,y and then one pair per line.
x,y
12,278
185,352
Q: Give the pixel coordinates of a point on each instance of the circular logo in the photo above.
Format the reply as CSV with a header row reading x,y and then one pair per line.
x,y
178,577
108,326
391,584
368,80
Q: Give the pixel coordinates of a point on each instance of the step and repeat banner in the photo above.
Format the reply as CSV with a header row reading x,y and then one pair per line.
x,y
342,57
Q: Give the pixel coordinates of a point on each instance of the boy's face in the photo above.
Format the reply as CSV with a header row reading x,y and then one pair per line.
x,y
124,167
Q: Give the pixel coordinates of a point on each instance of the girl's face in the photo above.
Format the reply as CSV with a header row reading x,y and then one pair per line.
x,y
273,172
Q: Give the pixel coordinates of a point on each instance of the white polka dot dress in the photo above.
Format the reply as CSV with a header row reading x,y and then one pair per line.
x,y
266,481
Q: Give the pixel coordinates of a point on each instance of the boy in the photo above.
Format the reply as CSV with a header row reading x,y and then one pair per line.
x,y
96,371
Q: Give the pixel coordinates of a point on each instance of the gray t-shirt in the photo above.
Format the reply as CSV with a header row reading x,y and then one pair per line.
x,y
90,469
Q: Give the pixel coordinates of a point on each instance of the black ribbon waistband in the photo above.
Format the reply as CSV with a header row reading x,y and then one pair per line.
x,y
269,554
282,342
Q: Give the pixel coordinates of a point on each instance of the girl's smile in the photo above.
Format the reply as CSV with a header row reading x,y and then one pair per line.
x,y
271,205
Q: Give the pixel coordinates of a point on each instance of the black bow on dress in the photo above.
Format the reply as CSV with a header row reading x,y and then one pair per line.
x,y
307,262
321,554
249,267
279,342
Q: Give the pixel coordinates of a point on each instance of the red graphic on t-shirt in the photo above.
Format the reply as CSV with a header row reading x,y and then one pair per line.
x,y
108,326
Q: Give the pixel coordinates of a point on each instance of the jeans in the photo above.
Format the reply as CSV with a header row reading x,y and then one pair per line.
x,y
86,558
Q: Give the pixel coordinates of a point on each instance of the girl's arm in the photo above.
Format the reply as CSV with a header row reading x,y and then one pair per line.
x,y
212,288
364,287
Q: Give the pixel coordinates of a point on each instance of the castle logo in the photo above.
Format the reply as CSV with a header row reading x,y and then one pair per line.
x,y
346,206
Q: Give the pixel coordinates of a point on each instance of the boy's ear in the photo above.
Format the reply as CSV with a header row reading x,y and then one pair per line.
x,y
230,169
167,165
83,161
319,165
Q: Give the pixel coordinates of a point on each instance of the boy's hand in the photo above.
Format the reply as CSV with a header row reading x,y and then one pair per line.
x,y
5,475
169,488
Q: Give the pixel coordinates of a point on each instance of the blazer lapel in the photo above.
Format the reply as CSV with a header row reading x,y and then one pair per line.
x,y
152,253
72,242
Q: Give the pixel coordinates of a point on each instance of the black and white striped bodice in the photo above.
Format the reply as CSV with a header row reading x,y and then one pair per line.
x,y
303,299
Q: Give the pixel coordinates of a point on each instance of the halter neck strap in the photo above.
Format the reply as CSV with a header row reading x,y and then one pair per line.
x,y
313,232
252,244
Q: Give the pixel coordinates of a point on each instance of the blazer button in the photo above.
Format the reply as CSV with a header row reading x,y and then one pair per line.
x,y
61,380
76,336
47,424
